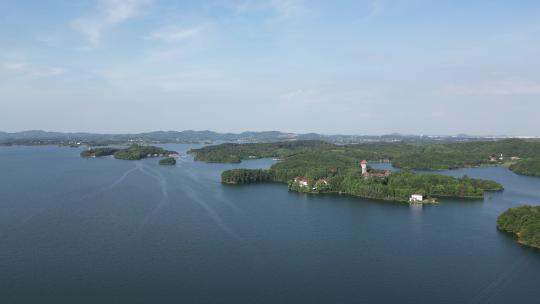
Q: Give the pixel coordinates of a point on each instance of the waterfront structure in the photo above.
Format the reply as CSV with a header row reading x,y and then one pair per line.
x,y
302,181
416,198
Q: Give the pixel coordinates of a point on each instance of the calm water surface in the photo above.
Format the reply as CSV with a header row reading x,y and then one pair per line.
x,y
76,230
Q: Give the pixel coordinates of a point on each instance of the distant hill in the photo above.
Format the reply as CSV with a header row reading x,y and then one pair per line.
x,y
43,137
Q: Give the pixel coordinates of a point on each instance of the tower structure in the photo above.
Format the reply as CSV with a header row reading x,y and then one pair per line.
x,y
363,164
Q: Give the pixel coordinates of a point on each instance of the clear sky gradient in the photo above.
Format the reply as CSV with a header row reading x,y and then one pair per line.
x,y
353,67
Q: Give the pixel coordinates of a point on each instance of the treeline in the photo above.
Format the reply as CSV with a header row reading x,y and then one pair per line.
x,y
397,187
246,176
524,222
134,152
234,153
98,152
167,161
402,155
529,166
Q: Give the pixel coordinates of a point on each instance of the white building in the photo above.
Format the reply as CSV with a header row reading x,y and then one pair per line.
x,y
302,181
416,198
363,163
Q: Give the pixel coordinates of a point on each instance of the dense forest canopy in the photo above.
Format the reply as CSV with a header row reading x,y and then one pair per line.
x,y
398,186
167,161
530,166
524,222
134,152
402,155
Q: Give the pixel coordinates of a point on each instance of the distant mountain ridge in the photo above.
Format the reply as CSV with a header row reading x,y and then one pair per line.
x,y
206,135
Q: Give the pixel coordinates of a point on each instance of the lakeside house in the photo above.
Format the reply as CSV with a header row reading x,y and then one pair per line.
x,y
301,181
416,198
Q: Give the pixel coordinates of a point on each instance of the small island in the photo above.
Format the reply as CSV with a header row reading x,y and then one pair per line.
x,y
523,222
133,152
404,187
168,161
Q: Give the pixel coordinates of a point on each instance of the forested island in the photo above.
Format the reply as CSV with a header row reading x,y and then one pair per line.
x,y
133,152
398,187
522,155
524,222
321,167
167,161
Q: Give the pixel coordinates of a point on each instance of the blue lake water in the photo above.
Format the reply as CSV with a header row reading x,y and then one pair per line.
x,y
76,230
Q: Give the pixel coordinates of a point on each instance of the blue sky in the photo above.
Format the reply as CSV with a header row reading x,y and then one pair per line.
x,y
354,67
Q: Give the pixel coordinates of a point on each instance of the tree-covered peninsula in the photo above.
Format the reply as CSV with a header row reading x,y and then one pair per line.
x,y
431,156
529,167
133,152
524,222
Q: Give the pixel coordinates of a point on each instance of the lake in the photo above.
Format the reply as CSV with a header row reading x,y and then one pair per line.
x,y
76,230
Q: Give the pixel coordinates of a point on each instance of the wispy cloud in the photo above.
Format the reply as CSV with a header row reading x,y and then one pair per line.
x,y
288,8
505,87
52,40
26,69
15,66
107,13
281,8
175,35
49,72
302,97
376,8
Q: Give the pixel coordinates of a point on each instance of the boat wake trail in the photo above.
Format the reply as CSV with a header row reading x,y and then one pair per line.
x,y
214,216
162,182
92,194
113,184
198,180
496,286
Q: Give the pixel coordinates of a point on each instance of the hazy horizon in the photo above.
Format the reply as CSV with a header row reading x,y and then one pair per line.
x,y
350,67
281,131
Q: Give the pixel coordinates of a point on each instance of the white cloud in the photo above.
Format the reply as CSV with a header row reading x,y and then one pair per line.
x,y
26,69
15,66
120,10
282,8
505,87
49,72
302,97
109,13
375,9
174,36
53,40
287,8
